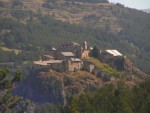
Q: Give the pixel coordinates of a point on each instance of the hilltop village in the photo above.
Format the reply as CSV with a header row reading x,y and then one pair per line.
x,y
70,57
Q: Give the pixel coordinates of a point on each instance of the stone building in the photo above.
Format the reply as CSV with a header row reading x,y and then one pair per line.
x,y
47,57
92,68
74,64
58,66
108,56
89,67
50,64
83,50
71,64
41,65
52,52
64,55
110,53
66,58
80,51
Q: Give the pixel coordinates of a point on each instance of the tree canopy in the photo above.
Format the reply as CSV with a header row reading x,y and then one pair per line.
x,y
8,102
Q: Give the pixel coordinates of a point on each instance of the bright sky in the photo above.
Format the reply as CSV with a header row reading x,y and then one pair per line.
x,y
138,4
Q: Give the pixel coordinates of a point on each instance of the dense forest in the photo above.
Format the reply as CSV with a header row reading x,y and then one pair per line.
x,y
112,99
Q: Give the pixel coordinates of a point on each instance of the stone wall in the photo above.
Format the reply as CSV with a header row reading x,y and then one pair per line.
x,y
89,67
73,66
58,67
85,54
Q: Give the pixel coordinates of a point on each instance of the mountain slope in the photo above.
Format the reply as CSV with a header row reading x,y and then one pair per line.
x,y
146,10
47,86
37,25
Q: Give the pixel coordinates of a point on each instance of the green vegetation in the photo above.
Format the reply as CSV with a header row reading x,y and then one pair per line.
x,y
11,57
16,51
95,52
112,99
9,103
118,98
32,33
37,33
7,63
103,67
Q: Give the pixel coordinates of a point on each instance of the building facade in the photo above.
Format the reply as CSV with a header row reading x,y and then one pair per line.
x,y
66,58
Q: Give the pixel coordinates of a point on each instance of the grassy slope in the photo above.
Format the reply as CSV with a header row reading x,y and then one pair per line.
x,y
10,50
104,67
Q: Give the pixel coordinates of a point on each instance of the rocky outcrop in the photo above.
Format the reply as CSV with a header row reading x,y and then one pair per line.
x,y
114,69
53,87
126,65
41,89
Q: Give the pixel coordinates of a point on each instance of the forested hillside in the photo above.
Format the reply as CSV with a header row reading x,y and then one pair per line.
x,y
33,27
29,28
111,100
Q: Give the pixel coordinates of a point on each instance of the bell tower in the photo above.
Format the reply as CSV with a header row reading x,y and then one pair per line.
x,y
84,45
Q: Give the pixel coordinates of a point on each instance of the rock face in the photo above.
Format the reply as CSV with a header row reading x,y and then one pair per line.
x,y
122,64
113,69
53,87
41,89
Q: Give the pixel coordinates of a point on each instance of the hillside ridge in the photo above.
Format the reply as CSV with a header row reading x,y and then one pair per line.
x,y
32,28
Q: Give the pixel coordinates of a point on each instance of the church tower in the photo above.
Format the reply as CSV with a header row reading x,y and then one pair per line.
x,y
84,45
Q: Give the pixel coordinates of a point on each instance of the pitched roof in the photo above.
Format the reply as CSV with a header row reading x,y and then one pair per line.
x,y
76,59
40,63
67,53
53,49
54,61
114,52
48,56
44,63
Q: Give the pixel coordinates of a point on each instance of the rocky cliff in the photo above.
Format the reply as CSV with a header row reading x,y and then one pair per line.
x,y
47,86
54,87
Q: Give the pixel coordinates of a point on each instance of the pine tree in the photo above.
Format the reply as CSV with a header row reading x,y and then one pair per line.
x,y
73,106
95,52
8,102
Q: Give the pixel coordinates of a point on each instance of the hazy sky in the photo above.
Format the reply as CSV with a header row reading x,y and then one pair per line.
x,y
138,4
